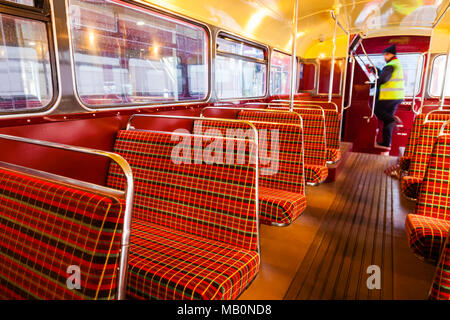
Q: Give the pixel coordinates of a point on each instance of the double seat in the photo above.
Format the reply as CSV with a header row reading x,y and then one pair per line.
x,y
281,180
428,133
332,119
427,229
194,233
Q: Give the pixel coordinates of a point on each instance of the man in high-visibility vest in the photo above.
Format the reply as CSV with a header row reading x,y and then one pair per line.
x,y
391,92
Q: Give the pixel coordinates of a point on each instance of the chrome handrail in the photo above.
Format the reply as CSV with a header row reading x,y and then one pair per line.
x,y
302,102
350,90
249,109
255,141
421,59
376,82
441,132
129,194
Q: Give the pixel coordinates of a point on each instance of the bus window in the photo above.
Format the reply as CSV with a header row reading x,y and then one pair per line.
x,y
437,77
24,2
280,69
241,69
25,70
409,61
125,55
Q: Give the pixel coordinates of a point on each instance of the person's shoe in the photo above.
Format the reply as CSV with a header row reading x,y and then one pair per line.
x,y
380,146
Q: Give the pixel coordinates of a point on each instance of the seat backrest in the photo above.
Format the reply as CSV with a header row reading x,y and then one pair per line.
x,y
49,230
414,135
281,168
428,134
440,289
314,134
434,193
313,129
174,188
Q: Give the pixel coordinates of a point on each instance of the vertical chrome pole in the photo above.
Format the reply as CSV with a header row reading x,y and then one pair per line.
x,y
413,104
294,58
427,69
444,82
333,58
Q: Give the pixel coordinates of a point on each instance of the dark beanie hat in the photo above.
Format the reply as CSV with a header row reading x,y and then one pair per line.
x,y
391,49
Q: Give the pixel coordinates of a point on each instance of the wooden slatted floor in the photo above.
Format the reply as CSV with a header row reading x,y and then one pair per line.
x,y
349,225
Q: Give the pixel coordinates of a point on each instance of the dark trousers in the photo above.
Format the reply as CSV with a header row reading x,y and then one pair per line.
x,y
385,111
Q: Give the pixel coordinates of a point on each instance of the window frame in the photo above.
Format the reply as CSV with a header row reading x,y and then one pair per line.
x,y
419,85
290,69
316,72
128,106
44,13
251,43
431,77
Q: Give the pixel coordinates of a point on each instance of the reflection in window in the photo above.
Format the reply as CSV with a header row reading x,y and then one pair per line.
x,y
437,77
24,2
25,72
241,69
280,69
409,62
126,55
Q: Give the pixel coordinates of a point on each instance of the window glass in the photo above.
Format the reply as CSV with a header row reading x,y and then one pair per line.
x,y
280,69
409,62
127,55
240,48
241,70
24,2
25,71
437,77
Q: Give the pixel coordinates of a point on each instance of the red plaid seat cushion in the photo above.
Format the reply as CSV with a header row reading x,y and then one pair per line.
x,y
46,227
426,235
410,186
315,174
333,155
440,290
280,207
168,264
188,214
404,163
289,173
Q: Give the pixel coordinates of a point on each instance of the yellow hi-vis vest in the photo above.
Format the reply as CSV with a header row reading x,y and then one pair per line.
x,y
394,89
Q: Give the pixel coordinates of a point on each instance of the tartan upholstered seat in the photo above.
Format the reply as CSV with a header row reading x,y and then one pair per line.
x,y
403,164
426,235
316,170
47,227
405,160
332,125
428,228
194,233
332,129
440,289
281,180
429,131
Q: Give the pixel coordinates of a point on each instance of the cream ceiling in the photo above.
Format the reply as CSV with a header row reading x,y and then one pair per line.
x,y
271,21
